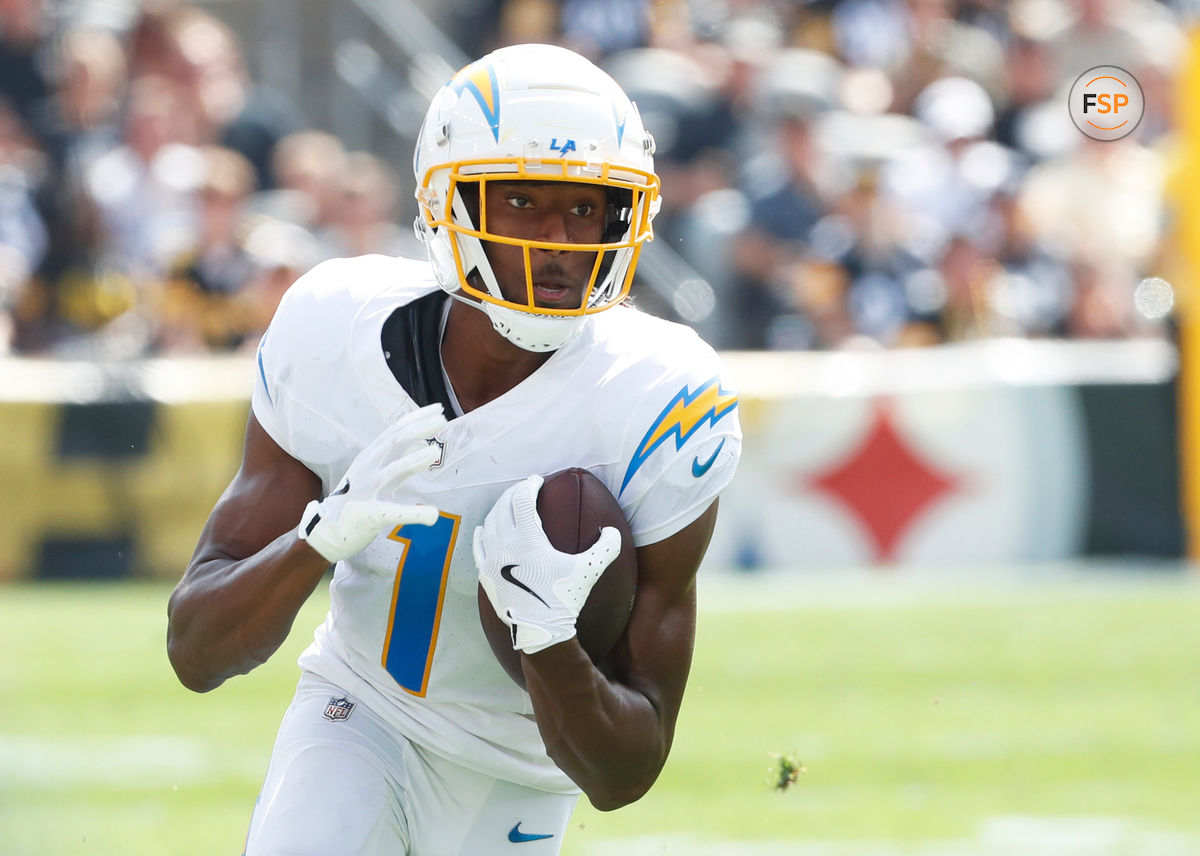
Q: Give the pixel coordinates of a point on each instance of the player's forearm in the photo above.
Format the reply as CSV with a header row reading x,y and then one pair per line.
x,y
609,738
228,616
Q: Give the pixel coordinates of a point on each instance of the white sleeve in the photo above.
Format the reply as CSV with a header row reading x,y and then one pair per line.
x,y
262,400
684,443
283,352
296,371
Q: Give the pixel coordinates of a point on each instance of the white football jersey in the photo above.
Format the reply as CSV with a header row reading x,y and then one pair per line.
x,y
642,403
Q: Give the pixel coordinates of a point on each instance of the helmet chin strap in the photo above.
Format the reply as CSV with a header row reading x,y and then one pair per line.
x,y
536,333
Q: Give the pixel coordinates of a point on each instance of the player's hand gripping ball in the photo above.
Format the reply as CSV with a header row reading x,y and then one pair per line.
x,y
551,567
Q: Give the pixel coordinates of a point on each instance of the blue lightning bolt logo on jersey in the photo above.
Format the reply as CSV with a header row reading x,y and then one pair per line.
x,y
684,414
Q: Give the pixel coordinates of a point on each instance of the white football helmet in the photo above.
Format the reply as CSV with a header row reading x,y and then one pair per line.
x,y
540,113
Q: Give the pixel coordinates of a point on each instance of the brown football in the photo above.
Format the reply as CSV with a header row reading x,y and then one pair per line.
x,y
574,506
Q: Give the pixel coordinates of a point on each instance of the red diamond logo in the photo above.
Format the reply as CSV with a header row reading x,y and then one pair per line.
x,y
884,484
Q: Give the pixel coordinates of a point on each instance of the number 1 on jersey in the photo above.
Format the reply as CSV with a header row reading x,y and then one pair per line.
x,y
417,600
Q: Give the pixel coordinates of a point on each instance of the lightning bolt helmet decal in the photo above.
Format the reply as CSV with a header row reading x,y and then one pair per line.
x,y
479,79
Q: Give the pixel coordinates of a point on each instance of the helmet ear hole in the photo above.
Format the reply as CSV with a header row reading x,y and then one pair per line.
x,y
617,221
619,213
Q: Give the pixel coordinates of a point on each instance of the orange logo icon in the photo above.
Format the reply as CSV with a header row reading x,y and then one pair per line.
x,y
1106,102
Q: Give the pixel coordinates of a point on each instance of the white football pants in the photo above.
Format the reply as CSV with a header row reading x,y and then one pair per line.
x,y
342,783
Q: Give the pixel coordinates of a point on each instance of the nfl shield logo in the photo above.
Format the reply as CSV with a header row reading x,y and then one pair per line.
x,y
338,709
433,441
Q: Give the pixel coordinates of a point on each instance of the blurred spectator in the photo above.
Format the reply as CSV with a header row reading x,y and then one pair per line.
x,y
785,203
1103,202
598,27
1033,286
23,236
210,71
1032,79
944,185
23,83
145,187
707,216
865,234
787,297
524,21
151,49
307,168
80,121
1101,303
967,311
362,216
1096,36
916,42
680,99
1157,91
202,303
785,209
78,289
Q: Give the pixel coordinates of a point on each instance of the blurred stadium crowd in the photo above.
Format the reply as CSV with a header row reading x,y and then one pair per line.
x,y
867,172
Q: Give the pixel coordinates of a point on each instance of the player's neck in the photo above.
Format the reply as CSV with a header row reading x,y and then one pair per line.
x,y
482,365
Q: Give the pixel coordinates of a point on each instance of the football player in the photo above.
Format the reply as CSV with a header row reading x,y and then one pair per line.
x,y
403,415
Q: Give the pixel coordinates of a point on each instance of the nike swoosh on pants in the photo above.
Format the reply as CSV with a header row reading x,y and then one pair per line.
x,y
516,836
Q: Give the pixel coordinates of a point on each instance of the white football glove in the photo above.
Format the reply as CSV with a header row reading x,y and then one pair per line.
x,y
350,518
536,590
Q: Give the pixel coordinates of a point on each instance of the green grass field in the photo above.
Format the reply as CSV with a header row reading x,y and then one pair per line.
x,y
934,718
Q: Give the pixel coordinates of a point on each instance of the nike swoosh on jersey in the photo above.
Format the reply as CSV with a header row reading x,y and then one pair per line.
x,y
699,469
516,836
507,573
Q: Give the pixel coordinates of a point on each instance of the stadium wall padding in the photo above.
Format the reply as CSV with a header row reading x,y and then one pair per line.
x,y
961,455
993,453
